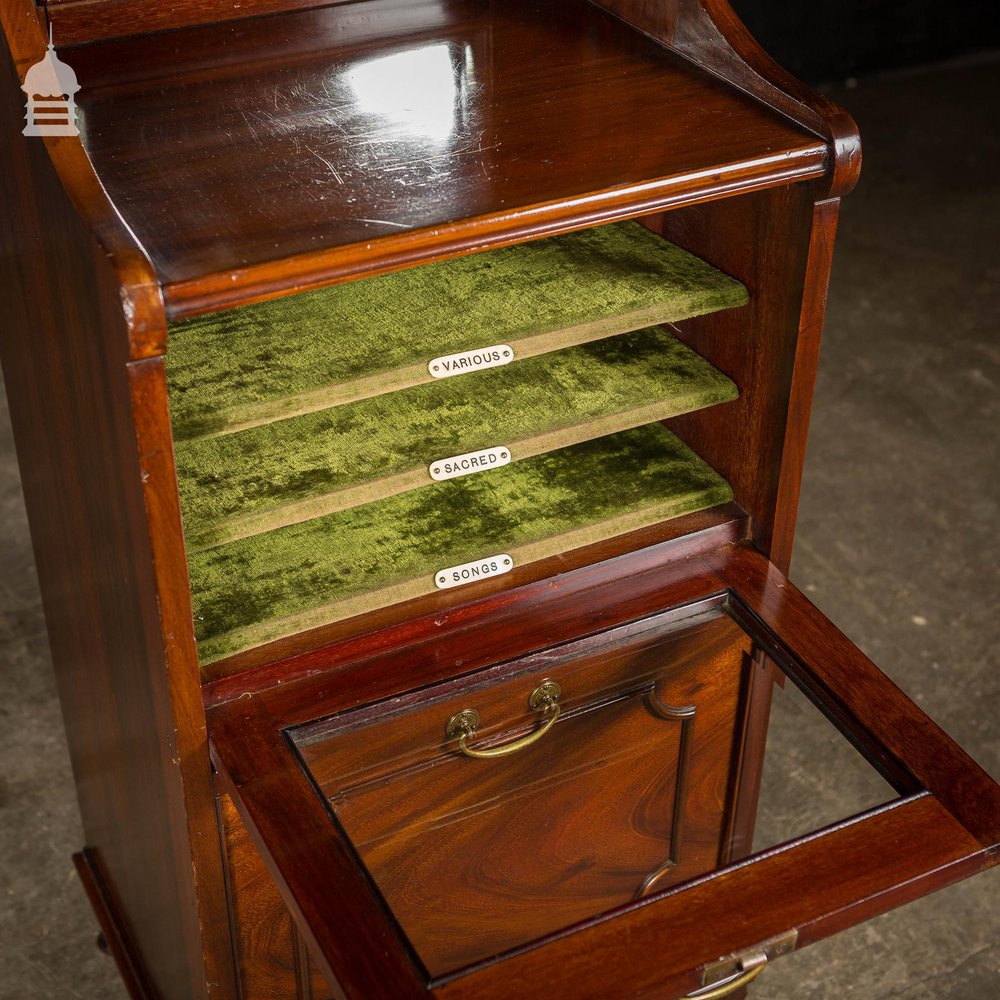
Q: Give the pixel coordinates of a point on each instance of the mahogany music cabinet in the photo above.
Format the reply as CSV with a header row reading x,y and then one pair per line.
x,y
411,398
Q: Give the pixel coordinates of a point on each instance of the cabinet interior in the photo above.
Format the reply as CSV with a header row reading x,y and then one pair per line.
x,y
307,307
309,429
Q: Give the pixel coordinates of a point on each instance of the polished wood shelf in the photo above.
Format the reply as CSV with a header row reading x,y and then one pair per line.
x,y
288,151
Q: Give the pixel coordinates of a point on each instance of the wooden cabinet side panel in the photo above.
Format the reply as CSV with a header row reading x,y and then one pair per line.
x,y
272,961
769,347
709,33
135,726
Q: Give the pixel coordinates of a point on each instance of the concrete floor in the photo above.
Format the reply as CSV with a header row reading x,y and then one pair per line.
x,y
896,542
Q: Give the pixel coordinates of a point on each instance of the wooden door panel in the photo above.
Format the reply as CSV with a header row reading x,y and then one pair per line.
x,y
629,791
374,907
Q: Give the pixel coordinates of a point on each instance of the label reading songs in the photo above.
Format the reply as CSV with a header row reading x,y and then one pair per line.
x,y
466,465
470,361
481,569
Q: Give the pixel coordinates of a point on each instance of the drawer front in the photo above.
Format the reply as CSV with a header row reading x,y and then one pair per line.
x,y
628,791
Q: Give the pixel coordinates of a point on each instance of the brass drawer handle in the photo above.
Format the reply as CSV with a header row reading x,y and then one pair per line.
x,y
463,725
728,986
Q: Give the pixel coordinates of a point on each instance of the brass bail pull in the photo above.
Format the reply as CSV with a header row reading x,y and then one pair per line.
x,y
733,972
749,973
463,725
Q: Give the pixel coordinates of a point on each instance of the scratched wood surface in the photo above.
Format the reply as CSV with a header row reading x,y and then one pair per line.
x,y
346,128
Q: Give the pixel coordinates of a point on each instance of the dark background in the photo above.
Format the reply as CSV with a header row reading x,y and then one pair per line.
x,y
823,42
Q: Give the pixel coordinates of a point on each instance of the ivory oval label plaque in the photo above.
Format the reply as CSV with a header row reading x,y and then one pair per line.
x,y
481,569
471,361
471,462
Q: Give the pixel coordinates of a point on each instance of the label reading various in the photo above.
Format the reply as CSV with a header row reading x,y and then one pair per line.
x,y
471,462
471,361
481,569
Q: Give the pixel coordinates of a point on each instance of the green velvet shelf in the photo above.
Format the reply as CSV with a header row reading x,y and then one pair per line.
x,y
262,588
302,353
294,470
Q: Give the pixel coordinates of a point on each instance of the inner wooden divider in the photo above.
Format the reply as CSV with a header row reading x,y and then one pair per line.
x,y
763,240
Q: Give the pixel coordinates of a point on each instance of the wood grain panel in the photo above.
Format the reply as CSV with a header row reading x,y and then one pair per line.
x,y
77,294
819,886
630,785
272,962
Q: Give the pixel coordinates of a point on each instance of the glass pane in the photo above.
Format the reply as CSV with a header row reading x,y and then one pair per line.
x,y
547,791
812,776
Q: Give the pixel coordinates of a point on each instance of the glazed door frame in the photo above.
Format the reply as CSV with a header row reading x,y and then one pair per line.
x,y
945,825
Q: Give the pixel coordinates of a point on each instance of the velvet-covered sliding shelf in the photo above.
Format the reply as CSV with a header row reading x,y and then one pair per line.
x,y
259,589
289,471
302,353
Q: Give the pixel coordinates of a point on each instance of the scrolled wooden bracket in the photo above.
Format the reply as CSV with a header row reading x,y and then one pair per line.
x,y
142,316
710,34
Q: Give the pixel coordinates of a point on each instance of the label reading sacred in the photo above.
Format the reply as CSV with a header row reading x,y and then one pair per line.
x,y
466,465
470,361
481,569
